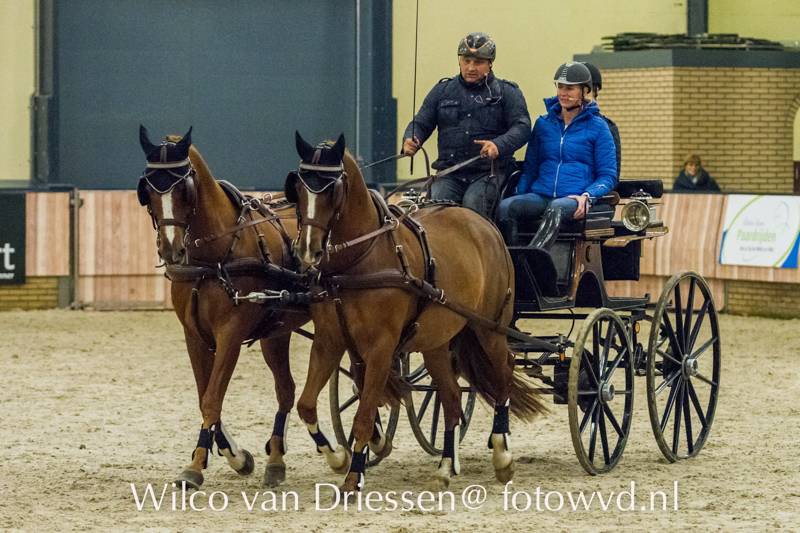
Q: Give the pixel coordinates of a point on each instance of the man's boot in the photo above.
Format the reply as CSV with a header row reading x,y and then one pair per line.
x,y
547,233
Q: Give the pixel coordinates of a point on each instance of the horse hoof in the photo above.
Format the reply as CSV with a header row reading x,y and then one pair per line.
x,y
192,478
504,475
274,475
350,486
439,483
384,452
345,466
249,464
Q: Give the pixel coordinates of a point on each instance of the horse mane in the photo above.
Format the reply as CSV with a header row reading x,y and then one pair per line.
x,y
199,164
350,165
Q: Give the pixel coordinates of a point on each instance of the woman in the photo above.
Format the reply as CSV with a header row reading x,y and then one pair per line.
x,y
570,160
694,178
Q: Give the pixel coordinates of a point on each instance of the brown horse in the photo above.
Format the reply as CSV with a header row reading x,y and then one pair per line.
x,y
200,227
375,305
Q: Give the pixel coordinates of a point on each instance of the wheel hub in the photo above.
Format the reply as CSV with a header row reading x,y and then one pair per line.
x,y
690,367
606,392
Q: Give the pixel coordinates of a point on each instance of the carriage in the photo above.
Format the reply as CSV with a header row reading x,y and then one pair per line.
x,y
592,371
245,253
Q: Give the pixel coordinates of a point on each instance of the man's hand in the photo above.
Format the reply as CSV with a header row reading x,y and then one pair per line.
x,y
580,212
410,146
488,149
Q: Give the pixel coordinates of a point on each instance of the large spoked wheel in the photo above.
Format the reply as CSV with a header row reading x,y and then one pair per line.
x,y
683,366
600,391
424,409
343,395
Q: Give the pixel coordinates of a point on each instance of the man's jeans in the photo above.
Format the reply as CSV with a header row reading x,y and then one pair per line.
x,y
479,193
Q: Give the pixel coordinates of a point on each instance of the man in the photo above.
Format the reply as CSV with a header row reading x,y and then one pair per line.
x,y
597,84
477,114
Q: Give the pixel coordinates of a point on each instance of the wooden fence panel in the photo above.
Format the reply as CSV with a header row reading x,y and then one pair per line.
x,y
47,234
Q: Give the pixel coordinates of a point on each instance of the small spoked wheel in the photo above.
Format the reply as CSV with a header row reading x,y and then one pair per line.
x,y
683,366
600,391
424,409
343,397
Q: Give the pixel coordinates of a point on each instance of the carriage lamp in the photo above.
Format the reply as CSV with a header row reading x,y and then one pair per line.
x,y
636,215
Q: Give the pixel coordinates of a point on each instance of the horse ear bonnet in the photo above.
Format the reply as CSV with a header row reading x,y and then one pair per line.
x,y
142,192
290,187
144,140
191,191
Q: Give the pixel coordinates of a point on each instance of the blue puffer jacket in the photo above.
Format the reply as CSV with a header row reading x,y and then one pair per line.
x,y
579,158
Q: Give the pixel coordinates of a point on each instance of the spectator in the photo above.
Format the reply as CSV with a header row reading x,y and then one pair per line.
x,y
694,178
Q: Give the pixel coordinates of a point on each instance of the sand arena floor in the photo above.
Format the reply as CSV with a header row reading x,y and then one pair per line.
x,y
96,401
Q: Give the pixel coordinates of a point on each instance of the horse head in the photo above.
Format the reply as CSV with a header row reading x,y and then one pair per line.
x,y
318,188
167,188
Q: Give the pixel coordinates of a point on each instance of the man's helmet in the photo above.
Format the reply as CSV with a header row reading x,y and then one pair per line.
x,y
477,44
573,74
597,78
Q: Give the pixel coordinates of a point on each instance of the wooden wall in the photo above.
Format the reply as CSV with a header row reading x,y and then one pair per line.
x,y
118,253
47,234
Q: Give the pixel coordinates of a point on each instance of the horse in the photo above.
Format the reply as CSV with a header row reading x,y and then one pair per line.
x,y
216,246
437,281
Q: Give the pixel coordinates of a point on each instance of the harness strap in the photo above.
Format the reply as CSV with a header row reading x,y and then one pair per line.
x,y
355,356
235,229
172,222
395,279
212,346
390,224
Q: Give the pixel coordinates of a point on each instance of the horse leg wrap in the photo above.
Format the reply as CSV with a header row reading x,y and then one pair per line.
x,y
359,465
224,441
280,429
205,440
237,458
500,425
323,445
450,450
499,439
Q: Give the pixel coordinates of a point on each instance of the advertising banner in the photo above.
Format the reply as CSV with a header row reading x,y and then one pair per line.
x,y
761,231
12,238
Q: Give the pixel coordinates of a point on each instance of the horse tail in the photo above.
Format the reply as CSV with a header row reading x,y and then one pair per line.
x,y
478,368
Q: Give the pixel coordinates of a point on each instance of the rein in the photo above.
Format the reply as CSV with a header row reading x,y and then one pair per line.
x,y
253,204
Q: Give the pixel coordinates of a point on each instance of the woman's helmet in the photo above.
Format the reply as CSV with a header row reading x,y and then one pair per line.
x,y
573,74
477,44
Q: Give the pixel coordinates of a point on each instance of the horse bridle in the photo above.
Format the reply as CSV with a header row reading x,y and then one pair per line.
x,y
187,177
339,184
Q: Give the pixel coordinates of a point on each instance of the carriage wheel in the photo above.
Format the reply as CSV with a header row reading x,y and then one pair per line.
x,y
425,412
343,397
683,366
600,392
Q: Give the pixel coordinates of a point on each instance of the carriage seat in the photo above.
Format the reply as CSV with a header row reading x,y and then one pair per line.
x,y
597,221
